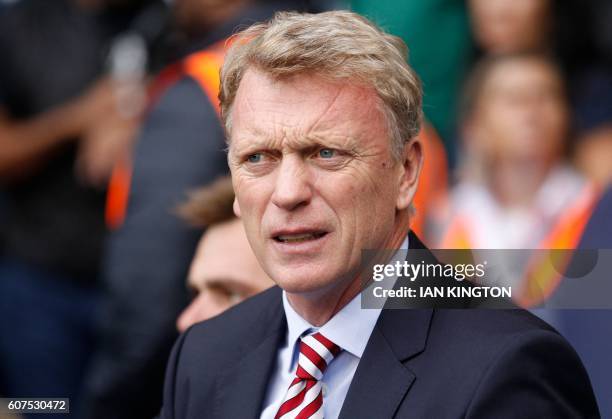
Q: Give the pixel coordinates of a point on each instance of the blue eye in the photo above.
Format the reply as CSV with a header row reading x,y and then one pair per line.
x,y
326,153
254,158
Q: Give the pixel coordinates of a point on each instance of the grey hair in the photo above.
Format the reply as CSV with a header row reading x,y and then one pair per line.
x,y
339,45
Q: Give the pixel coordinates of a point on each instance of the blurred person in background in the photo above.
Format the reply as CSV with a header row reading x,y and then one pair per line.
x,y
61,127
224,270
578,34
506,26
517,190
180,147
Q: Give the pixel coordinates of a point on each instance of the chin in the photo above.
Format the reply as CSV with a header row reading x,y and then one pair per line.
x,y
304,279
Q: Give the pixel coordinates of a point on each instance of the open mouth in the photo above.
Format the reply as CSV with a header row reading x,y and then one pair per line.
x,y
299,238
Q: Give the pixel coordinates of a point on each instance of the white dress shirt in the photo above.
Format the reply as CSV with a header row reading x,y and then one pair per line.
x,y
350,329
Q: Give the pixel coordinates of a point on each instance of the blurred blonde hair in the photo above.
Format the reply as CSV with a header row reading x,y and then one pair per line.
x,y
339,45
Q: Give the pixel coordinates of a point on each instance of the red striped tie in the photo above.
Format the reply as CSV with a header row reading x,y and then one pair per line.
x,y
304,397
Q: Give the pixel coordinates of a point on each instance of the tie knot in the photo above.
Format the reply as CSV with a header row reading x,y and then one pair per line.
x,y
316,352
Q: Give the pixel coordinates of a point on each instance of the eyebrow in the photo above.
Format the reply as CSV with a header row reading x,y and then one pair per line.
x,y
301,144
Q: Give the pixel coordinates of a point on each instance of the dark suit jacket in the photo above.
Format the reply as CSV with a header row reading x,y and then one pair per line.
x,y
418,363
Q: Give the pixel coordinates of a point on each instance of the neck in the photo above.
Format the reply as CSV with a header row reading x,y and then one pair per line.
x,y
317,308
515,183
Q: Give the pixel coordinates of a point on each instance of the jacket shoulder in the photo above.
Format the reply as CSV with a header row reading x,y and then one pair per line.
x,y
208,349
248,320
475,355
487,331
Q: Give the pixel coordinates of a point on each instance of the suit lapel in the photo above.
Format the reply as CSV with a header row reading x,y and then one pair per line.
x,y
241,390
379,384
382,380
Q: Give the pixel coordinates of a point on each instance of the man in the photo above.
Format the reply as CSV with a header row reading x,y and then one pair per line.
x,y
321,113
219,280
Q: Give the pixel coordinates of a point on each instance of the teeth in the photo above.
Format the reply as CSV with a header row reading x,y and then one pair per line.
x,y
294,238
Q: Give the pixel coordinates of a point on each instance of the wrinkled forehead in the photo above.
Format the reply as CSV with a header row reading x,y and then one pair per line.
x,y
302,105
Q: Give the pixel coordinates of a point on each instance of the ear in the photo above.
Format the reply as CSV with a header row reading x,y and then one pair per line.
x,y
236,207
412,162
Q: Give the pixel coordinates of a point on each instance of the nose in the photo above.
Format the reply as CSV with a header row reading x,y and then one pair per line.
x,y
293,187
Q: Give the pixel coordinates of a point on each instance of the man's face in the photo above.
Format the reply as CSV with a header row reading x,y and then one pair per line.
x,y
521,112
314,177
224,271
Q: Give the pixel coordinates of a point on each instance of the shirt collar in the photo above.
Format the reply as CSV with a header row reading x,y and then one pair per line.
x,y
350,328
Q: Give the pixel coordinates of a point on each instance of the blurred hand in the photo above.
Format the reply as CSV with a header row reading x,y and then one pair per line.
x,y
110,113
101,145
98,100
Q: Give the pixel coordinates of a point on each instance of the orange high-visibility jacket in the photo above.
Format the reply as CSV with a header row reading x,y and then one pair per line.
x,y
539,279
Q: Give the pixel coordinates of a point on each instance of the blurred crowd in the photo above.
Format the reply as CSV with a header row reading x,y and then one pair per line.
x,y
116,223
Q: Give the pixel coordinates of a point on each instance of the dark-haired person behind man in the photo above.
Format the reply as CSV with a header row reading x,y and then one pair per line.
x,y
322,113
218,278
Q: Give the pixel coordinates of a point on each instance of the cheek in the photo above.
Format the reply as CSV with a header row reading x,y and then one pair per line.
x,y
343,192
202,308
496,132
252,196
500,118
362,197
557,119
